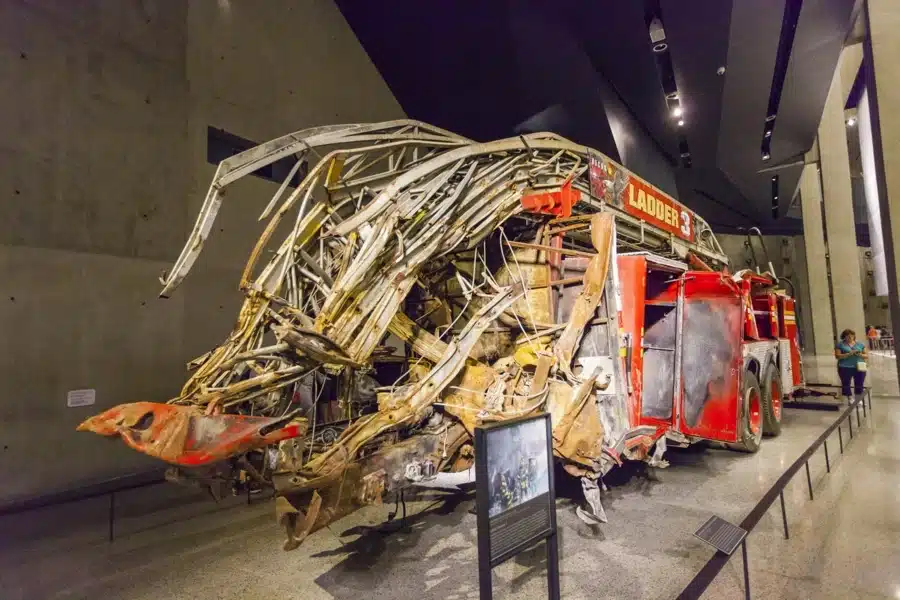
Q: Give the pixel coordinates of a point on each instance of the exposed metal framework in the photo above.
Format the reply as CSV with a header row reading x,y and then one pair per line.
x,y
402,231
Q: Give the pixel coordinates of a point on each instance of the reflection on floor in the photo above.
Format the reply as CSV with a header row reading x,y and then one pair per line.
x,y
173,545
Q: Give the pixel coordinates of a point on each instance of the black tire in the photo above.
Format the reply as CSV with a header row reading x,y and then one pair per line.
x,y
772,401
750,417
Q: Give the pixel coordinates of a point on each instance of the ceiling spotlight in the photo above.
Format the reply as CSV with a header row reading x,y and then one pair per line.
x,y
768,133
770,118
774,197
672,96
677,111
660,47
851,121
657,32
720,70
680,122
766,156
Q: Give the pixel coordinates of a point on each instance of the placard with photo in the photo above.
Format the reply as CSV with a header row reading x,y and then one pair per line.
x,y
515,499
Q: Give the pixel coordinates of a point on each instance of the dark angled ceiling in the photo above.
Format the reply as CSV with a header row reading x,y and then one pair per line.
x,y
491,68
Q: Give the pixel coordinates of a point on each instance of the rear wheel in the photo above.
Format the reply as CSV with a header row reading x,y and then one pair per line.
x,y
772,397
750,423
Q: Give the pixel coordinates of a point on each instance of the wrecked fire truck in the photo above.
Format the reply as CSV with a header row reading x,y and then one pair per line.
x,y
411,284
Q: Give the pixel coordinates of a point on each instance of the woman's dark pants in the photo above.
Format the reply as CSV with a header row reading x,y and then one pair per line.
x,y
849,374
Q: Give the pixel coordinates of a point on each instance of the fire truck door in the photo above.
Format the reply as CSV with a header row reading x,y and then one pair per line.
x,y
659,364
657,357
710,358
661,314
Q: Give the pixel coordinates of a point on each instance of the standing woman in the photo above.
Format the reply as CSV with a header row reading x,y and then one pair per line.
x,y
852,365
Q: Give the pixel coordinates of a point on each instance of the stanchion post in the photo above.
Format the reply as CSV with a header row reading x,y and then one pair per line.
x,y
784,516
850,425
869,395
809,481
746,570
858,425
553,568
403,502
841,438
827,461
112,515
863,402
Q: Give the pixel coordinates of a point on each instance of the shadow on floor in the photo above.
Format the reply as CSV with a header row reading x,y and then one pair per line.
x,y
378,545
413,558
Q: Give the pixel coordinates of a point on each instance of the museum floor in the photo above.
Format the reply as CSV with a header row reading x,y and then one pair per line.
x,y
173,545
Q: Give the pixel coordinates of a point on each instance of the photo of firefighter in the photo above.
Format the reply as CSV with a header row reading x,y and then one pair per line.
x,y
517,464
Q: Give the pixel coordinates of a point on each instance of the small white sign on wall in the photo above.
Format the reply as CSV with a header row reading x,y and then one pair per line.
x,y
81,397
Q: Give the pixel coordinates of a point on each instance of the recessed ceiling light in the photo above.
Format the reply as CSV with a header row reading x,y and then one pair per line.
x,y
680,122
660,47
851,121
672,96
765,156
677,111
768,133
656,30
720,70
770,118
775,198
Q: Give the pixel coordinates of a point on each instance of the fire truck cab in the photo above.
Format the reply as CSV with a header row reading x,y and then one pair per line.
x,y
708,355
703,353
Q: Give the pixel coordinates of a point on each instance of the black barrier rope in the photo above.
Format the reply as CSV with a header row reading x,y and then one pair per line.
x,y
714,565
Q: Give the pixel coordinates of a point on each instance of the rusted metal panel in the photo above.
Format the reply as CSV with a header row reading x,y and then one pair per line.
x,y
592,292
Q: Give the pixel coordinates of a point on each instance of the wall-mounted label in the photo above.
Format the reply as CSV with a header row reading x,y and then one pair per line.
x,y
81,397
653,206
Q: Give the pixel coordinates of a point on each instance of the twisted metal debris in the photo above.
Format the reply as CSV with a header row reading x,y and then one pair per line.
x,y
422,284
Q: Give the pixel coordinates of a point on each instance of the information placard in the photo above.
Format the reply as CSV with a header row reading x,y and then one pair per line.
x,y
721,535
515,500
81,398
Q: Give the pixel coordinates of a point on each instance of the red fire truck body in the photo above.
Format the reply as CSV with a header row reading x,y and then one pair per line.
x,y
706,355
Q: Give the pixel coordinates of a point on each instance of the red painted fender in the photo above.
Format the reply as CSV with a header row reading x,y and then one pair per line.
x,y
183,435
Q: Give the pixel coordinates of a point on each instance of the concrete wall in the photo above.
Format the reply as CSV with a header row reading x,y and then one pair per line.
x,y
103,167
877,309
789,258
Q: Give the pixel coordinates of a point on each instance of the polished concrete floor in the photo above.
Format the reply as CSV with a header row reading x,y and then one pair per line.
x,y
173,545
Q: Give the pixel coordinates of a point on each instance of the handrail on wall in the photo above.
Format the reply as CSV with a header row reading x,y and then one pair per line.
x,y
108,487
